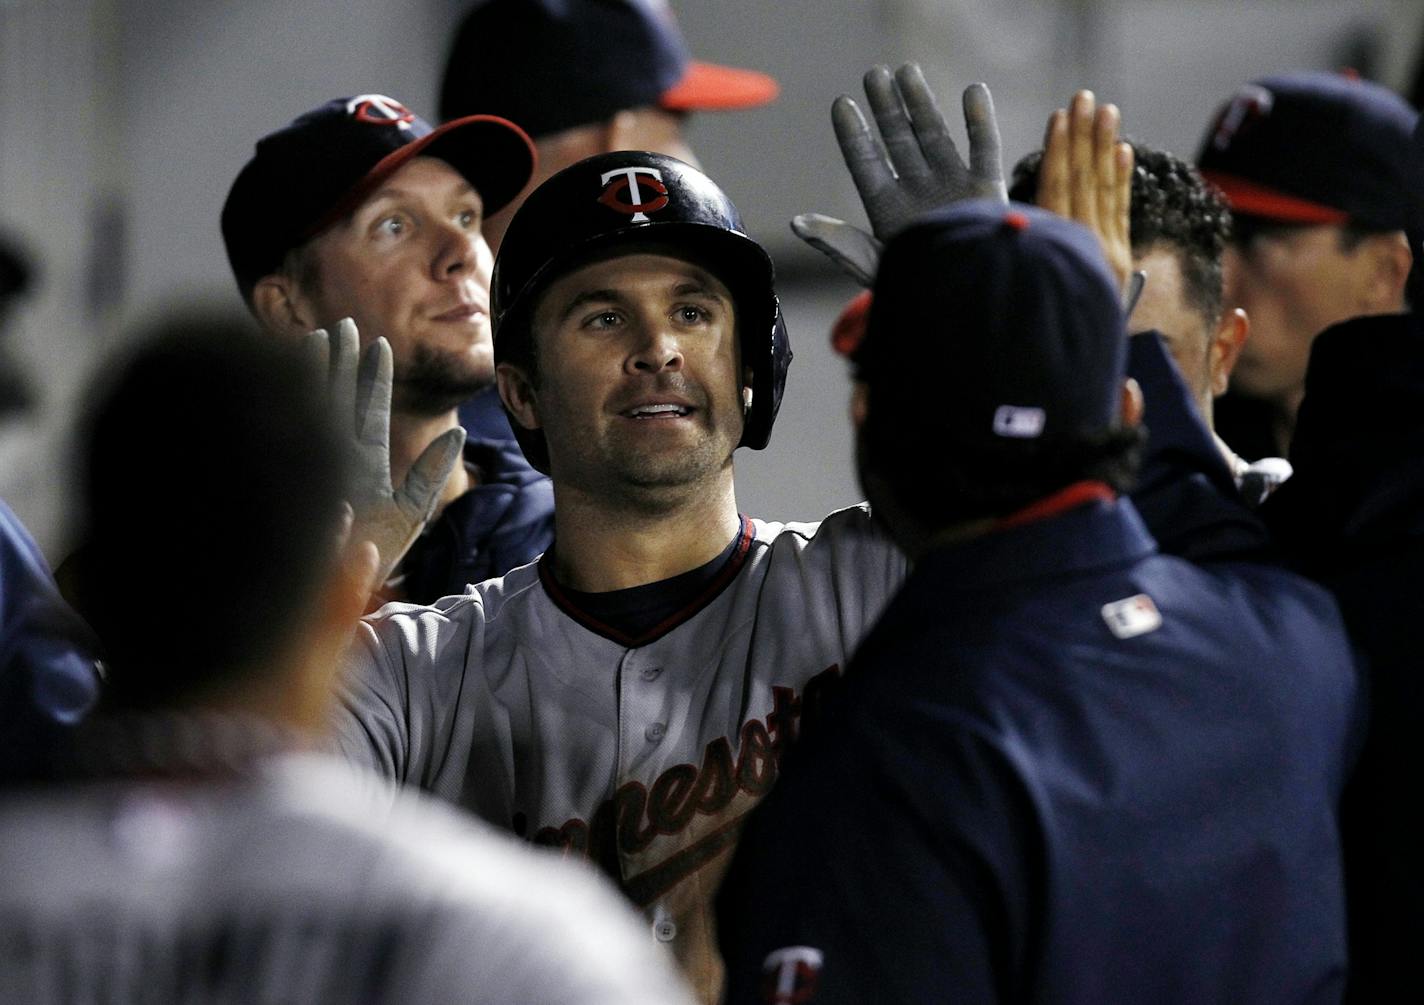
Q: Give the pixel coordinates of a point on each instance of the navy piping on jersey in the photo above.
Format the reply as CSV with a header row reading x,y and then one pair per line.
x,y
719,583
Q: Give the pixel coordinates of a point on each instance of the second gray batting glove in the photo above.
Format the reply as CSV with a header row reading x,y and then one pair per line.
x,y
360,384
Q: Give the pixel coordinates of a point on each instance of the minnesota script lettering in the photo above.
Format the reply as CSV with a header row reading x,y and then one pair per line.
x,y
628,823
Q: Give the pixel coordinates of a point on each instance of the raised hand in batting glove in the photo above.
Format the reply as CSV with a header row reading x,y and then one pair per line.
x,y
912,168
360,385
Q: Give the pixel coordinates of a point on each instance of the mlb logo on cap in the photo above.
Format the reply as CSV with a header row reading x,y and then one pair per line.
x,y
1019,423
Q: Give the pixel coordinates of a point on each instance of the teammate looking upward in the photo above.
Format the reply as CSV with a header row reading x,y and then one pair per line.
x,y
359,209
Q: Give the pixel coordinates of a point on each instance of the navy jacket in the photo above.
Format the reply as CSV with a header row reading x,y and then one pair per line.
x,y
507,520
1352,516
1010,802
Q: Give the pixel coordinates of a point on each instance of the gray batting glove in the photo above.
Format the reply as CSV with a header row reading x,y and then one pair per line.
x,y
912,168
360,386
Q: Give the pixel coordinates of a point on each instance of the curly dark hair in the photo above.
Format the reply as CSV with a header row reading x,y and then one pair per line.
x,y
1171,205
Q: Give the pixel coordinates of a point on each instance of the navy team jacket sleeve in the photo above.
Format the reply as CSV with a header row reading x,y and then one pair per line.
x,y
1185,492
934,852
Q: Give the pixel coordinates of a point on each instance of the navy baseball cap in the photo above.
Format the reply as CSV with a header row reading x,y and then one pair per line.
x,y
1009,317
307,175
1312,147
551,65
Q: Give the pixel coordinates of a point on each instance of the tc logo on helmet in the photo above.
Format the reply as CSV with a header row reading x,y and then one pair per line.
x,y
621,181
379,110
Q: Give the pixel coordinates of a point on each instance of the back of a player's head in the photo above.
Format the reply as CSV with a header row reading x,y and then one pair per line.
x,y
993,363
1171,207
212,484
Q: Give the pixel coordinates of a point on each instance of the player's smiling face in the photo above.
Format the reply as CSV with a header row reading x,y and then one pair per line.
x,y
411,264
639,374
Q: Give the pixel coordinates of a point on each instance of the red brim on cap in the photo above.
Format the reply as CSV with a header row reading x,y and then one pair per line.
x,y
849,329
493,154
708,87
1258,200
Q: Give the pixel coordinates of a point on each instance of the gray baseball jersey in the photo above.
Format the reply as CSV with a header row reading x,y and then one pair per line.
x,y
643,754
295,884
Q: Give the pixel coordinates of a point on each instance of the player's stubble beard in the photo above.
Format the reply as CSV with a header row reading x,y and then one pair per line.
x,y
653,481
434,381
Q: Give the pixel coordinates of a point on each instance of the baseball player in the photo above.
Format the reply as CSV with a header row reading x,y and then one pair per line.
x,y
627,696
1313,166
359,209
1062,766
1349,518
1178,230
199,850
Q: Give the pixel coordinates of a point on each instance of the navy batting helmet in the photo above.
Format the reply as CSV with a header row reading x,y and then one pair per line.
x,y
631,199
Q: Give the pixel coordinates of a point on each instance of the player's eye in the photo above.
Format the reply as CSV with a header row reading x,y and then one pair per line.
x,y
603,319
395,225
470,218
691,314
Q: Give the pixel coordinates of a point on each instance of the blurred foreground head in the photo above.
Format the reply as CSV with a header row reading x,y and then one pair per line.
x,y
212,484
991,372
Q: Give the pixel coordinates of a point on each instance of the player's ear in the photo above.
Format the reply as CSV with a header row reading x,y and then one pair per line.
x,y
1389,261
519,395
280,306
1131,408
1226,342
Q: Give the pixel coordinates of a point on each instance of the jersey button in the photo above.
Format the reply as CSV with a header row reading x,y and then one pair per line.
x,y
655,732
665,931
651,673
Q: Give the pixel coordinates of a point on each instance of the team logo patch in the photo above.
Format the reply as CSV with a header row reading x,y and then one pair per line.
x,y
1019,422
636,191
1132,617
1249,104
379,110
789,976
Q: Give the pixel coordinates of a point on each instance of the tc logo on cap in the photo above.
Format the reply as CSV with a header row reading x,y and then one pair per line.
x,y
625,180
1249,103
789,976
379,110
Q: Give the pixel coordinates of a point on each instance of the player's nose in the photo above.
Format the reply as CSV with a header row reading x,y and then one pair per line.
x,y
658,347
458,252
